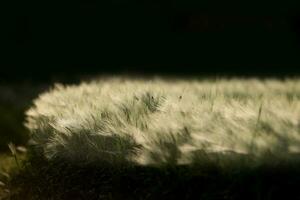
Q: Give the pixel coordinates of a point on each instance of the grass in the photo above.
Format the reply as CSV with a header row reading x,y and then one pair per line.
x,y
6,163
171,122
10,166
120,138
54,180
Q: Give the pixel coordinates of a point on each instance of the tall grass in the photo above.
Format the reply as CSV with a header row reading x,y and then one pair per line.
x,y
168,122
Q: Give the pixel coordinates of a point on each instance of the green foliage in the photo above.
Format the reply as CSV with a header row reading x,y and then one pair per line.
x,y
9,167
168,122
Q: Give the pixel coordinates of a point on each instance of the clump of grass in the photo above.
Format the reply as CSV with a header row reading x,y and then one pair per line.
x,y
168,122
161,139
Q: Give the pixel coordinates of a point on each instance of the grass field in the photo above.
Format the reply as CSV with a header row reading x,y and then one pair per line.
x,y
120,138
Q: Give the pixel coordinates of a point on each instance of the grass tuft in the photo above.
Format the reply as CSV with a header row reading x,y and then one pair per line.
x,y
167,122
163,139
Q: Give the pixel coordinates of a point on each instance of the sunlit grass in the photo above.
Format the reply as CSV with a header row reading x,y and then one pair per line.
x,y
168,122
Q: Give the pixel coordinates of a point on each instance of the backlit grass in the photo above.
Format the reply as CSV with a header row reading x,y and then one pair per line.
x,y
121,138
168,122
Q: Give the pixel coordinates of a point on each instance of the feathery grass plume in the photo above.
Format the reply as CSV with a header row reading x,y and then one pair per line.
x,y
173,122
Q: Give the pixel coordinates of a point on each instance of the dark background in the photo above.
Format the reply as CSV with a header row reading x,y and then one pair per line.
x,y
182,37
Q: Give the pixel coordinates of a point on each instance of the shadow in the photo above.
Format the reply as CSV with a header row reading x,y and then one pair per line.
x,y
56,180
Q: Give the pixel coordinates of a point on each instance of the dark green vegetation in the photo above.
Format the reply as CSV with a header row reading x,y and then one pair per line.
x,y
10,129
10,166
44,180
